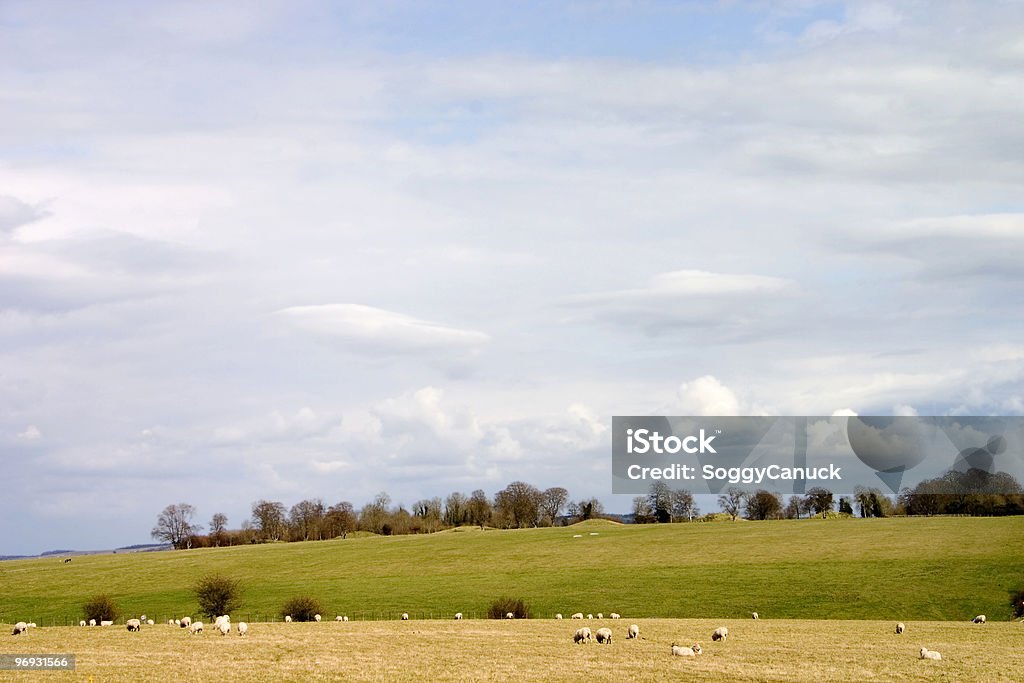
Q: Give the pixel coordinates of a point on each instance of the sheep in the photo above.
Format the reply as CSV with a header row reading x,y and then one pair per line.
x,y
344,618
578,615
590,616
900,628
720,633
288,619
107,622
150,622
754,616
614,615
680,651
510,615
195,627
316,617
929,654
31,624
458,616
338,618
405,616
222,619
223,626
604,636
133,625
633,631
980,619
82,622
600,616
177,622
558,616
92,622
19,628
185,622
243,628
583,635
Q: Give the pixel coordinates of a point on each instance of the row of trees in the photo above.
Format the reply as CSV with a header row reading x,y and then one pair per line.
x,y
518,505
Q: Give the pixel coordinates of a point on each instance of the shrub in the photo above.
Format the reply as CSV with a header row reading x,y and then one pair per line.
x,y
1018,604
217,594
302,608
101,608
502,606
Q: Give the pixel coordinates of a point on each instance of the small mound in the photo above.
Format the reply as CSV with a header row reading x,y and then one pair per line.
x,y
596,524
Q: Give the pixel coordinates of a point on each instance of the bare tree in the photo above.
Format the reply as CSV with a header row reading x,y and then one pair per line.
x,y
174,525
479,508
374,516
642,513
684,506
218,525
763,505
552,502
732,501
660,501
268,517
305,519
340,520
518,505
456,509
818,500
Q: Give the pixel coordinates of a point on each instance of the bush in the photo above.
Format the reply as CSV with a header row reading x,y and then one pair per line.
x,y
217,594
302,608
101,608
502,606
1018,604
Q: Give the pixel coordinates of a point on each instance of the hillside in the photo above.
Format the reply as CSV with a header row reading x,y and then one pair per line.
x,y
910,569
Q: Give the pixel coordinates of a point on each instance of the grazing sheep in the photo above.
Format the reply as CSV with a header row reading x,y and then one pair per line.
x,y
150,622
578,615
510,615
600,616
405,616
195,627
577,535
133,625
224,627
755,616
614,615
680,651
338,618
185,622
177,622
92,622
31,624
720,633
344,618
583,635
604,636
929,654
82,622
243,628
458,616
633,631
222,619
980,619
900,628
19,628
590,616
107,622
316,617
558,616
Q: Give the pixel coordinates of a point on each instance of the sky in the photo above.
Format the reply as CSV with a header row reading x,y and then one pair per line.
x,y
291,250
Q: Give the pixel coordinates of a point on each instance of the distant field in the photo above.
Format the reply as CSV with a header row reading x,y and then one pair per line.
x,y
908,569
535,650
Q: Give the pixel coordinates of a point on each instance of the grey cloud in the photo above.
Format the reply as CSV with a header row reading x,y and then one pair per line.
x,y
15,213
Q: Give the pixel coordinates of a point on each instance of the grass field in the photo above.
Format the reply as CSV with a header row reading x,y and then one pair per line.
x,y
908,569
535,650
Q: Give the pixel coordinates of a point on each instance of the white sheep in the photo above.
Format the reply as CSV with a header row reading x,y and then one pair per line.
x,y
288,619
133,625
900,628
92,622
405,616
633,631
344,618
177,622
243,628
195,627
222,619
316,617
583,635
929,654
720,633
223,626
614,615
558,616
681,651
980,619
150,622
510,615
755,616
107,622
31,624
604,636
185,622
458,616
338,618
590,616
578,615
82,622
19,628
600,616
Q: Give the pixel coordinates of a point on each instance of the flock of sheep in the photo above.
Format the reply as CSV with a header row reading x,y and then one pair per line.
x,y
583,635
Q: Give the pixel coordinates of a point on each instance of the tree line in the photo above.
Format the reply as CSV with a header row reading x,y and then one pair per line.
x,y
518,505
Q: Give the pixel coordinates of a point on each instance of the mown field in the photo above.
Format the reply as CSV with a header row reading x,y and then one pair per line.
x,y
535,650
914,569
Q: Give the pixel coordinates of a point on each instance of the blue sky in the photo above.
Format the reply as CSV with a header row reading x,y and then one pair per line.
x,y
279,250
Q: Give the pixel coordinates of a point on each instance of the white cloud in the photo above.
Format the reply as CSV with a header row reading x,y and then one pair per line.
x,y
31,433
707,396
